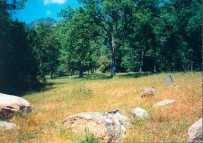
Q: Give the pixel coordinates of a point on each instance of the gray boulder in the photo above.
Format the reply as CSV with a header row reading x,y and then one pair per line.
x,y
109,127
195,132
9,105
169,80
139,113
7,126
148,91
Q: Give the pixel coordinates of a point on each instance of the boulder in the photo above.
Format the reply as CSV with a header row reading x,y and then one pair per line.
x,y
195,132
168,80
148,91
7,126
164,102
139,113
109,127
9,105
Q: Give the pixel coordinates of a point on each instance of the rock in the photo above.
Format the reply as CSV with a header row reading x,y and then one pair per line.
x,y
109,127
6,125
195,132
139,113
148,91
9,105
168,80
165,102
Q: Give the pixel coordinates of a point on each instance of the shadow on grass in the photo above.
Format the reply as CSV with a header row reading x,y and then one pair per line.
x,y
133,74
42,87
22,90
45,86
95,76
105,76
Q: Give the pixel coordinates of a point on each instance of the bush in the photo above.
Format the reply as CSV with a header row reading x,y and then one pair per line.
x,y
104,63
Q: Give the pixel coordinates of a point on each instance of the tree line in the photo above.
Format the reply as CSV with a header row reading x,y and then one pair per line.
x,y
101,36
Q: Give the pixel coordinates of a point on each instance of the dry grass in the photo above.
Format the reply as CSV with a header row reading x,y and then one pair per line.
x,y
70,96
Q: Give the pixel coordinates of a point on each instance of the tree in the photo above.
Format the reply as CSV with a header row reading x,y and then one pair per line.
x,y
147,35
18,66
106,14
79,47
46,49
177,47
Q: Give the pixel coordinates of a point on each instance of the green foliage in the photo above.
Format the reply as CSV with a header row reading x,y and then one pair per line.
x,y
147,35
18,68
106,36
89,139
103,63
46,49
78,53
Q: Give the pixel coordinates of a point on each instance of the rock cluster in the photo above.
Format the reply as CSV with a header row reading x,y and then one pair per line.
x,y
9,106
109,127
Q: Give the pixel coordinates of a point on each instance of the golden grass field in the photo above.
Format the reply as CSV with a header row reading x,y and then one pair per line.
x,y
68,96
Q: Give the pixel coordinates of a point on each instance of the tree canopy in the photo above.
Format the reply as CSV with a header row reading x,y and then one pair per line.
x,y
101,36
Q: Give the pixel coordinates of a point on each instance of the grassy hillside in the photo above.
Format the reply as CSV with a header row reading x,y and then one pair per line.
x,y
67,96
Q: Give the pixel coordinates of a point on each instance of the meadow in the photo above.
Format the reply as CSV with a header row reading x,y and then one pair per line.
x,y
70,95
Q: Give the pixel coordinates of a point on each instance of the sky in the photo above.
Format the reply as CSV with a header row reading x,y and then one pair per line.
x,y
37,9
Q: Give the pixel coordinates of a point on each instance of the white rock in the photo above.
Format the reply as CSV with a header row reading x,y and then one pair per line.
x,y
109,127
165,102
195,132
9,105
139,113
6,125
148,91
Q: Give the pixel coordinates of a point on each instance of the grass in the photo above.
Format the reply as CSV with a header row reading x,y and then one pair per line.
x,y
88,138
68,96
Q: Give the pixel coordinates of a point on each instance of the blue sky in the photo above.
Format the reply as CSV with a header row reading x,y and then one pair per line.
x,y
36,9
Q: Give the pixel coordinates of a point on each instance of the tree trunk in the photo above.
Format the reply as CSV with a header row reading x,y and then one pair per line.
x,y
81,72
92,70
141,60
113,50
155,69
191,66
52,75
